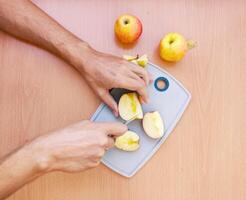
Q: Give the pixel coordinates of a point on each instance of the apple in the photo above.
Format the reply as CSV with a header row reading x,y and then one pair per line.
x,y
130,107
128,28
141,61
129,141
130,58
153,125
174,46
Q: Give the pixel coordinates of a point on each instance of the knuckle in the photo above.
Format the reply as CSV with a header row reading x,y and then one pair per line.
x,y
101,93
116,81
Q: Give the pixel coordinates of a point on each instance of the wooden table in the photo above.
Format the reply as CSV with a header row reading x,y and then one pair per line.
x,y
205,156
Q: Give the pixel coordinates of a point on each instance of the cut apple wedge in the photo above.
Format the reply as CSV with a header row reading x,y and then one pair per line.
x,y
129,141
129,106
135,62
130,58
153,125
141,61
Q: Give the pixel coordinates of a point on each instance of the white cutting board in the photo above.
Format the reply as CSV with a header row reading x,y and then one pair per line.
x,y
171,103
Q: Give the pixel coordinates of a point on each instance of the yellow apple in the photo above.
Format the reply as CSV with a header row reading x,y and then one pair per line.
x,y
130,107
128,28
153,125
142,61
129,141
173,47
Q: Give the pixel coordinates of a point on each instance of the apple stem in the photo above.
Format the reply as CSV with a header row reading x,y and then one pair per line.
x,y
191,44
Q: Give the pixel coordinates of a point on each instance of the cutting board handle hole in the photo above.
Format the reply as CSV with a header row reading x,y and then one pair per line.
x,y
161,84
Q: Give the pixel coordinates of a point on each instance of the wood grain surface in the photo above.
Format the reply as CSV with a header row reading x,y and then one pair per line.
x,y
205,156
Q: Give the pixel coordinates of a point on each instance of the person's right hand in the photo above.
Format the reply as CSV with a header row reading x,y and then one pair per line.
x,y
77,147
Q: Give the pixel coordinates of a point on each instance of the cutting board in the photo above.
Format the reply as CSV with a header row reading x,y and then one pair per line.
x,y
166,95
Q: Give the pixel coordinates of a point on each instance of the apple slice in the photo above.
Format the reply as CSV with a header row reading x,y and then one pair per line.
x,y
130,58
129,141
135,62
129,107
143,60
153,125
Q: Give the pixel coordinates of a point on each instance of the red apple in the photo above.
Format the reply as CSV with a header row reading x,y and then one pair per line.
x,y
128,28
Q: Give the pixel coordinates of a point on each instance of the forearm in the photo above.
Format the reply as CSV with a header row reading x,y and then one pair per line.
x,y
19,168
26,21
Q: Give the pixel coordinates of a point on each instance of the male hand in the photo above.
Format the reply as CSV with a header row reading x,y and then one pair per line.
x,y
77,147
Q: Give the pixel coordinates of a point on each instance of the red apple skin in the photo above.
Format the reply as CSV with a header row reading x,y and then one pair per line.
x,y
128,28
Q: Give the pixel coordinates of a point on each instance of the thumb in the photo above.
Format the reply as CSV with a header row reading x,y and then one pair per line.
x,y
108,100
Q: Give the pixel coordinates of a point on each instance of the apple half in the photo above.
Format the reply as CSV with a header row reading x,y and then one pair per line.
x,y
130,107
129,141
153,125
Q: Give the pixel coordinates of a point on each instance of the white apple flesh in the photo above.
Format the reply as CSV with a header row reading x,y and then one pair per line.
x,y
153,125
129,106
129,141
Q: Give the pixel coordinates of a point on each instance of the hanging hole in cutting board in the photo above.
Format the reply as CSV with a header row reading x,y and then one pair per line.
x,y
161,84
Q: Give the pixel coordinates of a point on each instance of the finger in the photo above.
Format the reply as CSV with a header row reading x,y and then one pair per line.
x,y
150,77
109,100
110,143
112,128
143,95
134,76
93,163
140,72
97,153
129,83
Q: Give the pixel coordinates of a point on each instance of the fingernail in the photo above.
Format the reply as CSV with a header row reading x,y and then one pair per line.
x,y
115,113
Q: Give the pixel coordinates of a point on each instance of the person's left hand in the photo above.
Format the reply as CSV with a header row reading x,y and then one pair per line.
x,y
104,72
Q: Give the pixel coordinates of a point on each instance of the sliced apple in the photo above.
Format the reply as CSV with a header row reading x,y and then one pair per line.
x,y
129,107
135,62
153,125
130,58
129,141
143,60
